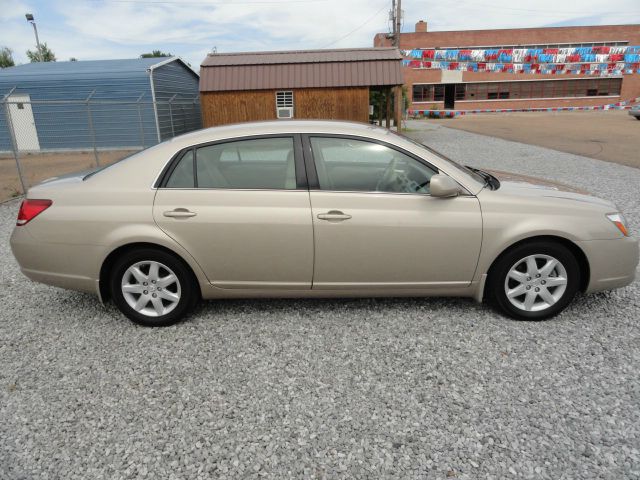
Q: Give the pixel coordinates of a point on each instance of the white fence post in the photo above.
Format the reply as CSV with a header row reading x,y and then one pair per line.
x,y
14,143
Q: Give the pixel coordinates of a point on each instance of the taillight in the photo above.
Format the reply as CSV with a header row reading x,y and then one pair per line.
x,y
30,209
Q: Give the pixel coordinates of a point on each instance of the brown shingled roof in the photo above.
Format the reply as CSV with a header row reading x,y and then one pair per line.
x,y
301,69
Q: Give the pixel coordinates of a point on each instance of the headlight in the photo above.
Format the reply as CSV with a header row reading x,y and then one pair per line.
x,y
619,221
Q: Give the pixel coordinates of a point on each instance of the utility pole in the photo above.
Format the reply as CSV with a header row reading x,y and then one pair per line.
x,y
398,23
389,91
393,21
396,43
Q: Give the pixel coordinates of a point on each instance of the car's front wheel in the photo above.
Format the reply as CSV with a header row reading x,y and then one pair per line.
x,y
534,281
152,287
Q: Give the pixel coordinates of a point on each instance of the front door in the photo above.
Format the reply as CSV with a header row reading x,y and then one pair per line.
x,y
24,125
375,225
241,208
449,95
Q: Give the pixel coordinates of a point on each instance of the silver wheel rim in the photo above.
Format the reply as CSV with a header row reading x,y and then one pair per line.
x,y
535,283
151,288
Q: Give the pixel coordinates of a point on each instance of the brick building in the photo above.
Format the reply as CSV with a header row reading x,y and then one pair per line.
x,y
519,68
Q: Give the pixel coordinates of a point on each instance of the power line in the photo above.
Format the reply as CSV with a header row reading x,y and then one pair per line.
x,y
357,28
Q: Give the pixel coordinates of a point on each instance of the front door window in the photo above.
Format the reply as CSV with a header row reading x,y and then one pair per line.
x,y
348,165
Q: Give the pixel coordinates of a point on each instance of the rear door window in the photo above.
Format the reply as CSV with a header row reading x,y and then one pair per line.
x,y
265,163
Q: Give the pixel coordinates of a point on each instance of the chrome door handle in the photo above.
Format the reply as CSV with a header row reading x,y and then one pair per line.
x,y
334,216
179,213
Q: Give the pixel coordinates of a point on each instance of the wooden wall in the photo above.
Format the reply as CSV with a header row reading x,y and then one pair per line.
x,y
219,108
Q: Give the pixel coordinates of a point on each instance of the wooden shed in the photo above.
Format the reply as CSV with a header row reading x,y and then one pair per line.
x,y
318,84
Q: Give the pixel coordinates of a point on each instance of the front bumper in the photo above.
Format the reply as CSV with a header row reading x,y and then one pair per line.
x,y
612,263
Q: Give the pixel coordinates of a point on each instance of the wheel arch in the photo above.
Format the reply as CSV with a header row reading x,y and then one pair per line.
x,y
110,259
581,257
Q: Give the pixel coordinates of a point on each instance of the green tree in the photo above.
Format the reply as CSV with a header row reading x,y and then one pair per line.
x,y
6,57
44,54
155,53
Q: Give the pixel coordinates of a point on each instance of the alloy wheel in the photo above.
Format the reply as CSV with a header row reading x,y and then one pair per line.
x,y
151,288
535,283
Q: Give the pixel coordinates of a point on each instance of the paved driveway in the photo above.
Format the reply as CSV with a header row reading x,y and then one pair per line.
x,y
612,135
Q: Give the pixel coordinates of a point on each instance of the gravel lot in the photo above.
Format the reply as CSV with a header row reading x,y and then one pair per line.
x,y
397,388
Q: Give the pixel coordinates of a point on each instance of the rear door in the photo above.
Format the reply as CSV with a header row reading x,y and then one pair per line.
x,y
375,224
241,208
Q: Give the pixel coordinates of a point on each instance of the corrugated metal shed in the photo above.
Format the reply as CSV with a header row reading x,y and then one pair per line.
x,y
112,79
301,69
175,81
58,89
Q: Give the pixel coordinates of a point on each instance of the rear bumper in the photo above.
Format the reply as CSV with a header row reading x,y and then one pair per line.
x,y
60,265
612,263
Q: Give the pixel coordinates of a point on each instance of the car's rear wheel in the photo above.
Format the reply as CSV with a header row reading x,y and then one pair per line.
x,y
534,281
152,287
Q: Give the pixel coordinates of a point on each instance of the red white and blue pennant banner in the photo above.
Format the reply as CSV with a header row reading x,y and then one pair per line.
x,y
601,60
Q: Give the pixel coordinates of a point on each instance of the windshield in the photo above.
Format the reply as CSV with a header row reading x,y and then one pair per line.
x,y
478,178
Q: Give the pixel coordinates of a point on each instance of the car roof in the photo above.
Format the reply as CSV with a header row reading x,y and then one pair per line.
x,y
282,126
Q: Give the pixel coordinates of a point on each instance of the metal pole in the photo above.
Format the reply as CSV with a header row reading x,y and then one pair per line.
x,y
91,129
35,29
196,108
173,132
140,121
14,144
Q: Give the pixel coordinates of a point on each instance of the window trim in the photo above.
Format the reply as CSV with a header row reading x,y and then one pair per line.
x,y
301,175
312,174
176,161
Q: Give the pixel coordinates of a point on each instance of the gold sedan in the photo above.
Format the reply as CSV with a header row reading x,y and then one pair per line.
x,y
316,209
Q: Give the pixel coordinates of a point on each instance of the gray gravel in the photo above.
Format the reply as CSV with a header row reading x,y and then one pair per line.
x,y
397,388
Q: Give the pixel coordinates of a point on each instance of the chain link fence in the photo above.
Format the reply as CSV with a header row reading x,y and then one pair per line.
x,y
40,139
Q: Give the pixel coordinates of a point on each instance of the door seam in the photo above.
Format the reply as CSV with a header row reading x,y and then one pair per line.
x,y
313,241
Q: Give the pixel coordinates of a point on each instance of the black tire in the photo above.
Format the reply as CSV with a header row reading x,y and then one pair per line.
x,y
189,290
498,275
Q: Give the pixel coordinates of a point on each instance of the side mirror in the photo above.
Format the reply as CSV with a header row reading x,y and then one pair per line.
x,y
443,186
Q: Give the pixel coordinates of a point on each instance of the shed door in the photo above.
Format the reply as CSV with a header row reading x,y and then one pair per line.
x,y
24,125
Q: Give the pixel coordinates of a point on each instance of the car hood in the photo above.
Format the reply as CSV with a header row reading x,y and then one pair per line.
x,y
515,184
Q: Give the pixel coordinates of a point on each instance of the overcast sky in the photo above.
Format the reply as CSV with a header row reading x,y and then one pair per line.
x,y
103,29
